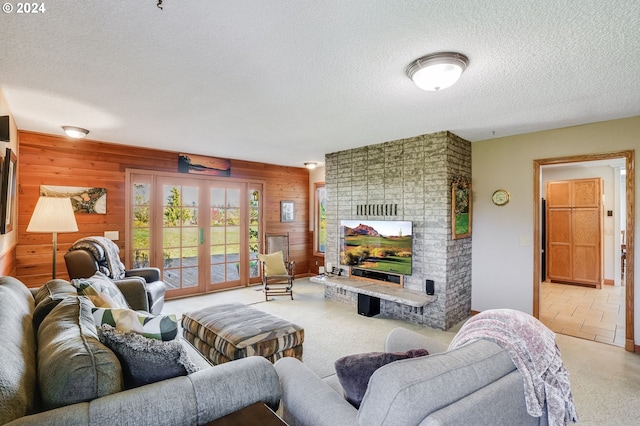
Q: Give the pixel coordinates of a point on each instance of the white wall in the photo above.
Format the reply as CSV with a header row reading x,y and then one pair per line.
x,y
9,240
607,174
502,252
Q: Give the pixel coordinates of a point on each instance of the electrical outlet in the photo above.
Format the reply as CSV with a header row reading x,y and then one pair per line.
x,y
112,235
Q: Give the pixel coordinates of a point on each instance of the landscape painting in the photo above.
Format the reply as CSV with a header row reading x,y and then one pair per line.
x,y
83,199
380,245
461,211
201,165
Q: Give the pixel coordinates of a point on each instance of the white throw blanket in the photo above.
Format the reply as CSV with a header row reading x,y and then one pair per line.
x,y
106,253
533,349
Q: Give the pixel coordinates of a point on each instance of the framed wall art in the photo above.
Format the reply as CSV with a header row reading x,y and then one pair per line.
x,y
460,208
83,199
8,191
201,165
287,211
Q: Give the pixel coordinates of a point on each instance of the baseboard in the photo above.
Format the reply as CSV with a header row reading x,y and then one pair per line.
x,y
609,282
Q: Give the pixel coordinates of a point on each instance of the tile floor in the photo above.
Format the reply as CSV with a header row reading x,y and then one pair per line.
x,y
588,313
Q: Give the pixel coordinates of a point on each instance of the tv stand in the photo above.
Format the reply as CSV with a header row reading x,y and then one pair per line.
x,y
391,300
388,278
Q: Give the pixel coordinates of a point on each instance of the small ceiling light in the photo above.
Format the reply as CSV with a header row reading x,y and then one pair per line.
x,y
75,132
310,165
437,70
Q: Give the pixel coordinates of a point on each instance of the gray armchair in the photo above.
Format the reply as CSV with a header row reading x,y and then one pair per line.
x,y
473,384
142,287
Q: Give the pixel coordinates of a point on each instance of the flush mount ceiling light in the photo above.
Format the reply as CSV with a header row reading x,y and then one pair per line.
x,y
310,165
75,132
438,70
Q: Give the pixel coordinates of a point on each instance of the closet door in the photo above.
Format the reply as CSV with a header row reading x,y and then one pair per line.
x,y
574,231
587,231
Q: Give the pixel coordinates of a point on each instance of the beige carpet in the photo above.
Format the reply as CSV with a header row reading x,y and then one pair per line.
x,y
605,379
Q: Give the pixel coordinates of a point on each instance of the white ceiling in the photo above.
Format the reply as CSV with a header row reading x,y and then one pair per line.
x,y
287,81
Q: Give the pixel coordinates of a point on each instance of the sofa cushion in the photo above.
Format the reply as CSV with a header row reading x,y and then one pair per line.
x,y
354,371
146,360
48,296
101,290
73,366
273,263
17,351
160,327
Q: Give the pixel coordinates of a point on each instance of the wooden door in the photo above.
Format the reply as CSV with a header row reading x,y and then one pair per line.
x,y
574,231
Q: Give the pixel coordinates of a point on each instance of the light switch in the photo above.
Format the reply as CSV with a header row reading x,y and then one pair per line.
x,y
112,235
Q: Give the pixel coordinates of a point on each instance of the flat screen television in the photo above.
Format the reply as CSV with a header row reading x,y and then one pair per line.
x,y
378,245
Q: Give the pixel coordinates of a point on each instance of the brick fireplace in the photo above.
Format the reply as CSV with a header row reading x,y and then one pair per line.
x,y
409,179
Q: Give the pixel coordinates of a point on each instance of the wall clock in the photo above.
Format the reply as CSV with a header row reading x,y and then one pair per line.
x,y
500,197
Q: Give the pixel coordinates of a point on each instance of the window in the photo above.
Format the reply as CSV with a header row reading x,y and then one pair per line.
x,y
320,228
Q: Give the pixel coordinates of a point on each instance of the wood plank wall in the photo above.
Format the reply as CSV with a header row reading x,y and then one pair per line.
x,y
53,160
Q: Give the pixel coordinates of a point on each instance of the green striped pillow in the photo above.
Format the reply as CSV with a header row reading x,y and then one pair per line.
x,y
159,327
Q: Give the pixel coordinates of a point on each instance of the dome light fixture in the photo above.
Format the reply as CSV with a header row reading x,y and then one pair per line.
x,y
75,132
311,165
438,70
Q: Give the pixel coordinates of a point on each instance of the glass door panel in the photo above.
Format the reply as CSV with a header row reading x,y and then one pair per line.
x,y
181,236
225,235
141,221
254,234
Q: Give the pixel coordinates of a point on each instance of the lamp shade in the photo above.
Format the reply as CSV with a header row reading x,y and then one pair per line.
x,y
53,214
438,70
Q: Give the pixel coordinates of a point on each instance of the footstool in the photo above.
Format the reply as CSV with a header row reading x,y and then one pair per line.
x,y
231,331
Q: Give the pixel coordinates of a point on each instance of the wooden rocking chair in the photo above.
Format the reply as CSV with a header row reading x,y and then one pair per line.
x,y
278,270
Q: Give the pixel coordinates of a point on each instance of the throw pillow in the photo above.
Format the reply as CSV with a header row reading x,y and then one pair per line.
x,y
146,360
73,366
160,327
101,291
273,263
48,296
354,371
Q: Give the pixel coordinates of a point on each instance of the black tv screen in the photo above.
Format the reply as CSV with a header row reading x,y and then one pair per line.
x,y
378,245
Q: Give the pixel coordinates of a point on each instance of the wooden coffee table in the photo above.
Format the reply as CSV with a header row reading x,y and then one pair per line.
x,y
254,414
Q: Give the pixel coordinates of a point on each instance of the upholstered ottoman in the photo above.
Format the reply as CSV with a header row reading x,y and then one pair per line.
x,y
231,331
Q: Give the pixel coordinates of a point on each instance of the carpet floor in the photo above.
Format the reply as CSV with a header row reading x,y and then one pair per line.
x,y
605,379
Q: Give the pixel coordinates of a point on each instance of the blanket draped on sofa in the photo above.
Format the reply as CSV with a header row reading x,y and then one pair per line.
x,y
534,351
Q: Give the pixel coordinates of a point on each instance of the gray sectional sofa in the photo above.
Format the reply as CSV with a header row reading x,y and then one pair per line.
x,y
33,371
476,384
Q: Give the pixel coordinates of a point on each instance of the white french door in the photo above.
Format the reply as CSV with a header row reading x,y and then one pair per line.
x,y
203,233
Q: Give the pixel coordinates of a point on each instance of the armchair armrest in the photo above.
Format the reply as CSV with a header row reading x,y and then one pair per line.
x,y
308,400
134,292
149,274
291,268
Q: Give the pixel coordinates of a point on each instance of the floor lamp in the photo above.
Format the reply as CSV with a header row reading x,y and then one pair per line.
x,y
53,215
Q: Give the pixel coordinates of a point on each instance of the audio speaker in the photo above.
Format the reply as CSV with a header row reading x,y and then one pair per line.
x,y
368,305
430,287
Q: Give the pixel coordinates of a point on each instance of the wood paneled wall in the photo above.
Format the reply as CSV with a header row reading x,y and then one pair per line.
x,y
53,160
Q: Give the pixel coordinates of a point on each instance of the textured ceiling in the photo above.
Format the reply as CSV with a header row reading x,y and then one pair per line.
x,y
287,81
